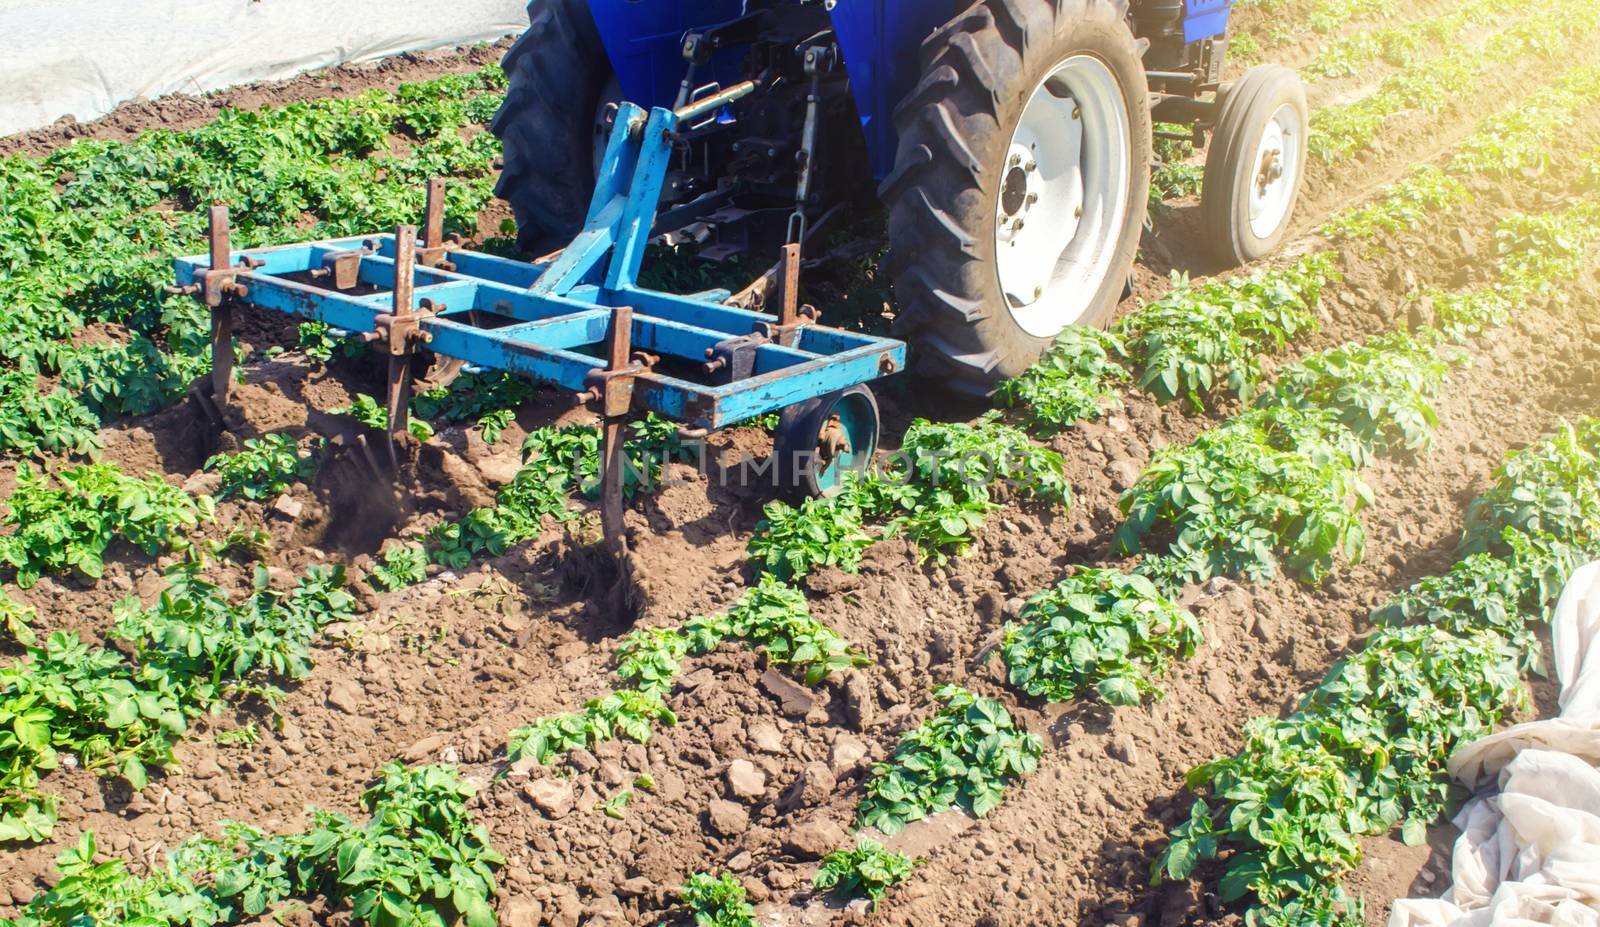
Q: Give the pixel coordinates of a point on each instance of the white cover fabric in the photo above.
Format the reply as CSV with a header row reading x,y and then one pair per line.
x,y
84,57
1529,850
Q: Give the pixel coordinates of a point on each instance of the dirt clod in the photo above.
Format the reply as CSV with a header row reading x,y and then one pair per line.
x,y
745,781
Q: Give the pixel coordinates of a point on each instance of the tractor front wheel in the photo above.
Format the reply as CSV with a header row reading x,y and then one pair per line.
x,y
1256,164
1018,194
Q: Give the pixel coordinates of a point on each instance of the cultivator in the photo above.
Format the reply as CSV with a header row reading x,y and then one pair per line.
x,y
578,319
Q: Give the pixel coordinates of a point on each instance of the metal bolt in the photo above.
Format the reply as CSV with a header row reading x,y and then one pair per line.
x,y
1077,213
1038,291
1077,113
1016,226
1030,199
1031,166
1015,160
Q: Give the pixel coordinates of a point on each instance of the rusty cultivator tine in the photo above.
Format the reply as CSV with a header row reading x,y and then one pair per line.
x,y
221,310
398,332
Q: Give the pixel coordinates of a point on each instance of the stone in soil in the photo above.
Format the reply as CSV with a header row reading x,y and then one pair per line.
x,y
796,700
745,781
727,818
814,839
554,797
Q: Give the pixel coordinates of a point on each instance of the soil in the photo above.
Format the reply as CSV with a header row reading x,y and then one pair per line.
x,y
444,670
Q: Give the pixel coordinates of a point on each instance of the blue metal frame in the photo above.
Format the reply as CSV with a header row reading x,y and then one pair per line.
x,y
542,316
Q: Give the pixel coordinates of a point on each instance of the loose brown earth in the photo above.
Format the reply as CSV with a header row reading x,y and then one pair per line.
x,y
444,670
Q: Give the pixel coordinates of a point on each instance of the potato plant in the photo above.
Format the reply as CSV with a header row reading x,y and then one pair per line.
x,y
122,714
418,859
266,467
947,478
87,234
1401,45
625,713
1098,629
1381,389
400,565
1365,753
1367,749
558,463
1341,131
1506,144
716,901
1536,254
1076,380
965,755
1549,488
936,492
67,522
1205,338
17,620
371,413
488,399
771,617
792,541
868,870
1272,486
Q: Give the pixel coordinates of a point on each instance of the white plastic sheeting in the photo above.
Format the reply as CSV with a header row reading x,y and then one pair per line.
x,y
83,57
1530,853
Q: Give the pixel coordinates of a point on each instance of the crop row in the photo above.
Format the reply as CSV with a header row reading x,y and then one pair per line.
x,y
1278,481
1322,18
419,859
121,712
964,755
1193,342
1281,482
1402,44
1513,143
1341,131
87,232
1366,750
938,501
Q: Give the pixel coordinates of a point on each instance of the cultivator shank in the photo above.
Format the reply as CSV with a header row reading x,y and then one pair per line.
x,y
578,320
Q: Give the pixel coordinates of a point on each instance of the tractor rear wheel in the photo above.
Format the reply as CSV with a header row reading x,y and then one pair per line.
x,y
557,77
1018,194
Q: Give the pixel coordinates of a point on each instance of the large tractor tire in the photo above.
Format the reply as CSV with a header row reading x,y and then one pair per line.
x,y
1018,194
557,75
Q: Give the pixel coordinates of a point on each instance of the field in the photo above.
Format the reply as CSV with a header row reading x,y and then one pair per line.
x,y
1260,557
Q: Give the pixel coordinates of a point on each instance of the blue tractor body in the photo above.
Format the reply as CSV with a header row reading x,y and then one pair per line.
x,y
879,42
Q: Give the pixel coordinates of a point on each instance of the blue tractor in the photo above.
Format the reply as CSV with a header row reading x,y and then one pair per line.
x,y
1009,140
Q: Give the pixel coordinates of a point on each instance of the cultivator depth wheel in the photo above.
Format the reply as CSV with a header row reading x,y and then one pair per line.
x,y
821,441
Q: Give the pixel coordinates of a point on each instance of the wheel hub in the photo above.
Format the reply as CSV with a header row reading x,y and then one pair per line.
x,y
1014,193
1270,170
833,442
1277,169
1062,198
